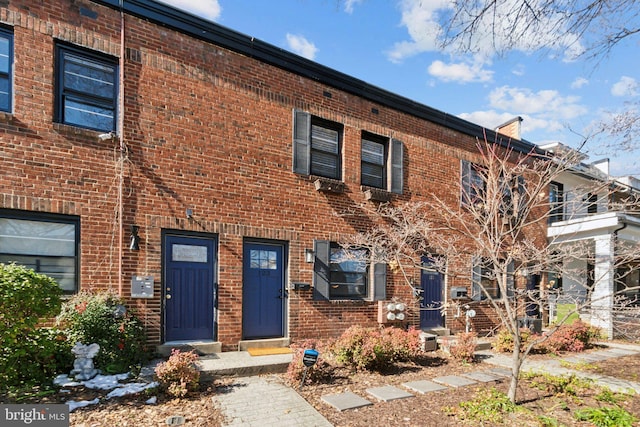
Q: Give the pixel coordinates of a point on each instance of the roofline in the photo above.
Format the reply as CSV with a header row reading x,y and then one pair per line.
x,y
189,24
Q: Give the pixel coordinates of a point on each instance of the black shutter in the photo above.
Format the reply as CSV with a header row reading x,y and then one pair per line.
x,y
397,159
465,184
301,142
379,281
321,269
476,279
511,289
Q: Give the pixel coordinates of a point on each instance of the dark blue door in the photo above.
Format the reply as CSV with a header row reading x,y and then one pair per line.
x,y
263,293
431,303
189,288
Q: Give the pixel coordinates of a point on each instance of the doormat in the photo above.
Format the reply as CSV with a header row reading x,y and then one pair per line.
x,y
266,351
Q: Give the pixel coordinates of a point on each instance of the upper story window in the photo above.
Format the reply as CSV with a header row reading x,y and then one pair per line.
x,y
381,163
592,203
46,243
317,146
87,89
6,70
473,185
556,202
347,274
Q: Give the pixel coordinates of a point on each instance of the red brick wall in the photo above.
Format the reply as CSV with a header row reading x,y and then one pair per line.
x,y
205,129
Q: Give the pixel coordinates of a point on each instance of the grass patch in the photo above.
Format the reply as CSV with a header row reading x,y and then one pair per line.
x,y
563,309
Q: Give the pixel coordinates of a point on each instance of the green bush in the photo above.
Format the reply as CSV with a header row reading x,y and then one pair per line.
x,y
179,375
374,349
503,341
102,318
606,417
30,355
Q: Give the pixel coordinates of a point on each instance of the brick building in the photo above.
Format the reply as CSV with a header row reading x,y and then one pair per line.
x,y
192,170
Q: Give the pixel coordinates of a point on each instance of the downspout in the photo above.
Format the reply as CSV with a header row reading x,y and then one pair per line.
x,y
121,147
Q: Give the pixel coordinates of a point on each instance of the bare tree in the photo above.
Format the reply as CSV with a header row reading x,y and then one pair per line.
x,y
499,226
537,24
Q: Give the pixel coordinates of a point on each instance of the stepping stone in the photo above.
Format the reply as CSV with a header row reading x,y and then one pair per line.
x,y
592,357
608,354
619,352
388,393
344,401
482,377
454,381
574,359
423,386
502,372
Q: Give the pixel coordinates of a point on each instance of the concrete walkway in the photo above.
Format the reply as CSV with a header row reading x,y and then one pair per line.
x,y
266,401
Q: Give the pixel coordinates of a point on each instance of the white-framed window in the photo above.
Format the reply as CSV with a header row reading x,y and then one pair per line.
x,y
46,243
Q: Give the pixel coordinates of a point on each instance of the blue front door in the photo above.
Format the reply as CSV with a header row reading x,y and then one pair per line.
x,y
263,291
189,288
431,303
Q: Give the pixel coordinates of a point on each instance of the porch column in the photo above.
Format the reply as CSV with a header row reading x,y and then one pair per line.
x,y
603,288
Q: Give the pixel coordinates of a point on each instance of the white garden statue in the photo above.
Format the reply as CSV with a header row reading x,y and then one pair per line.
x,y
83,368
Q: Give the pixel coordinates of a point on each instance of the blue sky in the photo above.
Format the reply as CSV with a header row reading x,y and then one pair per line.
x,y
390,44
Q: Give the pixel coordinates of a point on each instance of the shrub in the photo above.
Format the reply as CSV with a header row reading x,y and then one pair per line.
x,y
574,337
404,345
103,319
606,417
503,341
28,353
368,348
179,375
464,347
317,373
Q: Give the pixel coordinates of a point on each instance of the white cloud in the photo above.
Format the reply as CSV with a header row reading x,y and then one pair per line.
x,y
494,31
519,70
421,20
579,82
460,72
548,104
491,119
626,86
300,45
349,5
207,9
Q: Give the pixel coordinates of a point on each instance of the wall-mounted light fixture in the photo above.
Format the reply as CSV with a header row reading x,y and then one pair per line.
x,y
189,213
134,240
107,136
309,255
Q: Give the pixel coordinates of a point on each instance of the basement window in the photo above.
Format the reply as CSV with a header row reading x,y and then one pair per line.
x,y
45,243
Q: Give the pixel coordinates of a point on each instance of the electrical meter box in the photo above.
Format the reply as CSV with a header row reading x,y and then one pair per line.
x,y
142,287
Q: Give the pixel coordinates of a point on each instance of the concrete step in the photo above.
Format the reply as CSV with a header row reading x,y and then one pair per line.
x,y
440,331
200,347
264,343
445,342
242,364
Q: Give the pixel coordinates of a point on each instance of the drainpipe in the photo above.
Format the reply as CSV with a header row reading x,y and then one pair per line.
x,y
121,147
